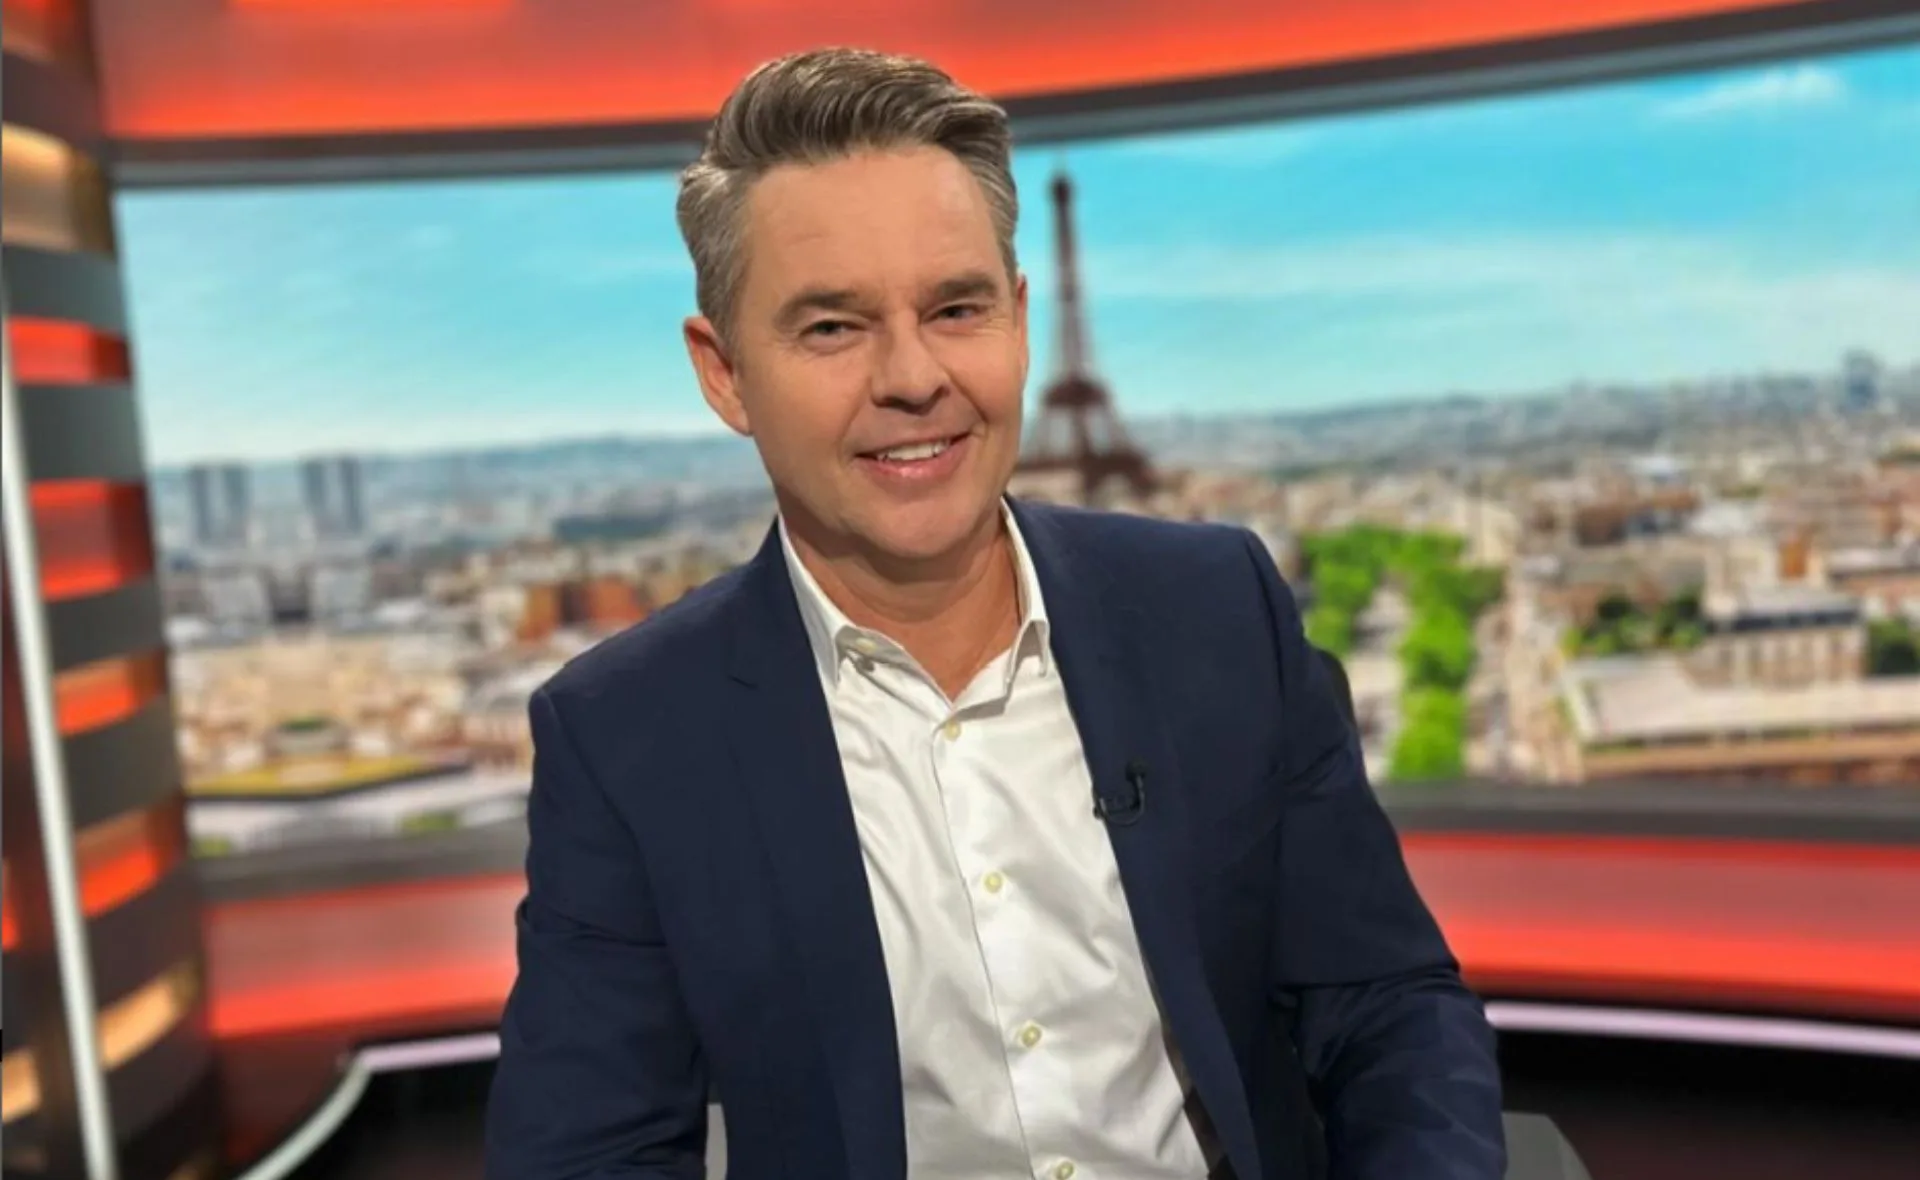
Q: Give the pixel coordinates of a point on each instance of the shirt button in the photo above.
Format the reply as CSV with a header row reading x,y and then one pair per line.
x,y
1064,1170
951,729
1030,1036
864,643
994,882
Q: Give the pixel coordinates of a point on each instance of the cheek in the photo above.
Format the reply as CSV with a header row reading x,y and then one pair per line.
x,y
993,378
809,411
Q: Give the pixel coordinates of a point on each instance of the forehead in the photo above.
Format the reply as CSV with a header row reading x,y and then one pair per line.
x,y
875,218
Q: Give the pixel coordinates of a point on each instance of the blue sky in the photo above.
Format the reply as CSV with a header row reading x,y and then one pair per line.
x,y
1740,221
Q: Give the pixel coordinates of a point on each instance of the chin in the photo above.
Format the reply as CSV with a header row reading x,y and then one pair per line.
x,y
925,532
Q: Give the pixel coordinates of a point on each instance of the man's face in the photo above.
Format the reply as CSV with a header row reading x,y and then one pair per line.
x,y
878,353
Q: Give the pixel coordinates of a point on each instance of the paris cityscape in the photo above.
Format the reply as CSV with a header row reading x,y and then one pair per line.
x,y
1713,576
1716,582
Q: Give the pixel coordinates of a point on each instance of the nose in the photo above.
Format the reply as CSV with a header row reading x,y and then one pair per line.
x,y
907,375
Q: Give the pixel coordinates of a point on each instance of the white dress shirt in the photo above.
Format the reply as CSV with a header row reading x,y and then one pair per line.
x,y
1030,1040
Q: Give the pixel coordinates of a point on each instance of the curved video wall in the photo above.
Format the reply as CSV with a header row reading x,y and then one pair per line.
x,y
1583,422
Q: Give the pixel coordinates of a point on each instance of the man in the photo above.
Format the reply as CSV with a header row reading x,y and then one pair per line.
x,y
953,837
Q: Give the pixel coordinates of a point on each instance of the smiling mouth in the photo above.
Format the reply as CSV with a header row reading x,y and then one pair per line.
x,y
914,452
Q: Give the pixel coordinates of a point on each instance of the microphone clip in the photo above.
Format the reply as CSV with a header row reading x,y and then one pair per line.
x,y
1126,810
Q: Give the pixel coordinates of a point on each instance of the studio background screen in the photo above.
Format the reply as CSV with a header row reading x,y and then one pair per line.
x,y
1585,424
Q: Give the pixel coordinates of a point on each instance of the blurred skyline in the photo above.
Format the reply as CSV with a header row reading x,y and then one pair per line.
x,y
1725,223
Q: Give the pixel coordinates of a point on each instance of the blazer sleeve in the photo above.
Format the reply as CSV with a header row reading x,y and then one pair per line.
x,y
1397,1050
600,1073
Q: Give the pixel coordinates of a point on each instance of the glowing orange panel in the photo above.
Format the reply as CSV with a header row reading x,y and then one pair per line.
x,y
1828,929
1818,930
55,352
9,931
120,859
45,30
384,7
19,1085
190,68
94,536
102,693
416,955
127,1028
54,196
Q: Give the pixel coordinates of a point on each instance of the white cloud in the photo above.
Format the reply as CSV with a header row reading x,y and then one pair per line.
x,y
1785,88
1692,293
1387,265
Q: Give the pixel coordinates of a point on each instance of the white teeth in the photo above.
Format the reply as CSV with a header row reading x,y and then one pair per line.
x,y
916,452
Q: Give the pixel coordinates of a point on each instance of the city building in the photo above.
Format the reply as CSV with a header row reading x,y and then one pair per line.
x,y
1860,383
332,494
1650,717
1572,585
1779,637
222,505
1886,579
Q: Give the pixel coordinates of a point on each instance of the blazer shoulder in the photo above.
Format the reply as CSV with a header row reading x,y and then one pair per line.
x,y
1154,552
670,644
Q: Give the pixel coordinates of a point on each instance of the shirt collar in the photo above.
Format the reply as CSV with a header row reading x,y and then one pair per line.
x,y
835,638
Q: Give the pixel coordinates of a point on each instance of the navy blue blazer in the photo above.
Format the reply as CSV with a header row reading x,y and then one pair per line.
x,y
697,917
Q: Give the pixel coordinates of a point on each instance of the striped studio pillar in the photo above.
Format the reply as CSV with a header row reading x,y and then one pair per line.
x,y
108,1070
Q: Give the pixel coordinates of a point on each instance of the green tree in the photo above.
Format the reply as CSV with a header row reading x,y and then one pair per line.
x,y
1620,626
1411,552
1438,652
1344,587
1681,609
1481,586
1434,706
1607,642
1615,607
1427,750
1331,630
1687,636
1460,590
1893,648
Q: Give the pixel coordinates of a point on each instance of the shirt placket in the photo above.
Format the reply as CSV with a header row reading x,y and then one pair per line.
x,y
978,822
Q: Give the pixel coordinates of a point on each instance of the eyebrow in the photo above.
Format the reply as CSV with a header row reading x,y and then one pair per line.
x,y
812,299
970,285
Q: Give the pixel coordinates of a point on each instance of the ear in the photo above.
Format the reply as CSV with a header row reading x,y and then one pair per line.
x,y
719,377
1020,321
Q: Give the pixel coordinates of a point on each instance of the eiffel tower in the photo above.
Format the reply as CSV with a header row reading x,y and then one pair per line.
x,y
1077,429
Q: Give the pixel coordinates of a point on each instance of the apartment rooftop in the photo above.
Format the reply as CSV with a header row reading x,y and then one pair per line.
x,y
1654,699
1783,604
1729,519
1883,559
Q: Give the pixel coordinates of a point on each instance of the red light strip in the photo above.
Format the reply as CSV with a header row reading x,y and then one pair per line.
x,y
94,536
56,352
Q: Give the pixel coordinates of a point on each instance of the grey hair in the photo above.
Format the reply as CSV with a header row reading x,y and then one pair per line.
x,y
822,105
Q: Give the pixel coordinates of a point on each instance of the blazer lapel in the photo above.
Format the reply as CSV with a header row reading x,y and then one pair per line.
x,y
1096,636
790,768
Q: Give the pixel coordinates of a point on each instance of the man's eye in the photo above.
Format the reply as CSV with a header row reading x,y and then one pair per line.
x,y
960,311
827,328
